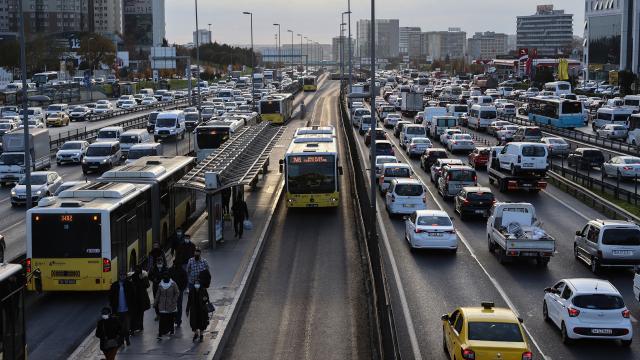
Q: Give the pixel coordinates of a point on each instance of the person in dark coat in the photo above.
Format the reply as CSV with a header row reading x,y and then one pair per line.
x,y
226,198
184,251
140,280
240,214
197,305
179,276
122,296
108,330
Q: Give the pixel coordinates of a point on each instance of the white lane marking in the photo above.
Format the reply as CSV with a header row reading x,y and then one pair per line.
x,y
565,204
4,231
413,338
495,283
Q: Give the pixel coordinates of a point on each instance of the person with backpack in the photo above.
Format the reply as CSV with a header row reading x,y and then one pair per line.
x,y
109,331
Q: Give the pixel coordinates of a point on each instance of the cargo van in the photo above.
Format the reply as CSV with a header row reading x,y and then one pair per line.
x,y
169,124
133,137
481,116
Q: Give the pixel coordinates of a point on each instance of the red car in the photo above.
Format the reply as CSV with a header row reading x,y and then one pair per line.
x,y
479,157
380,135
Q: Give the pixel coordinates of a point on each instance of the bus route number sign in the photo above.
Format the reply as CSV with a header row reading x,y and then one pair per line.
x,y
309,159
66,218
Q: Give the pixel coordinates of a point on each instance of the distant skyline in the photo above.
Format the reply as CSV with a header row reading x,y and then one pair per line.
x,y
320,20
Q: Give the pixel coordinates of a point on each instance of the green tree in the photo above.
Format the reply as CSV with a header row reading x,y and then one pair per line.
x,y
542,76
96,50
10,50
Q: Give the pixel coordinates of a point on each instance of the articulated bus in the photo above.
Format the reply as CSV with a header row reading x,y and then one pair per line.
x,y
309,83
212,134
13,337
311,169
83,238
277,108
556,112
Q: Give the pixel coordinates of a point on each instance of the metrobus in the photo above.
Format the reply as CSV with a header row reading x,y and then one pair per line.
x,y
277,108
82,239
311,168
44,77
13,339
558,87
315,130
212,134
556,112
310,83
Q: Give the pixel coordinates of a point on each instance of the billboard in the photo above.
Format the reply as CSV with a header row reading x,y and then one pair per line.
x,y
122,59
163,57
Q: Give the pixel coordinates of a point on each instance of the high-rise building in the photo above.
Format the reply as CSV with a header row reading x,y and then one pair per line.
x,y
405,34
46,16
107,16
487,45
387,38
337,51
549,31
443,45
611,40
144,22
202,36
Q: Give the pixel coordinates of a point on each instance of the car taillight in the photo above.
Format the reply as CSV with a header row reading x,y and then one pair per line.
x,y
106,265
465,202
27,264
527,355
627,168
626,313
475,178
573,312
381,179
418,231
468,354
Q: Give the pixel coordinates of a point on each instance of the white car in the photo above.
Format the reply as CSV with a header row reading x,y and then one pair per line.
x,y
612,131
148,100
460,142
556,145
587,309
447,134
405,196
505,108
383,159
506,132
430,229
72,152
417,146
519,157
128,104
391,120
102,108
626,166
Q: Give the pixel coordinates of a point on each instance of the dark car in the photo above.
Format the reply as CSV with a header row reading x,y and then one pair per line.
x,y
384,147
151,121
584,158
479,157
380,135
474,201
399,126
431,156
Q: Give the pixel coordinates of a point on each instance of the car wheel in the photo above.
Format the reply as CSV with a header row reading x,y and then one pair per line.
x,y
595,267
513,170
626,343
565,337
490,245
502,258
575,251
545,311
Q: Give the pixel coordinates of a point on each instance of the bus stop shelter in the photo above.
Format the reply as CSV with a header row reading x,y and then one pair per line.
x,y
238,162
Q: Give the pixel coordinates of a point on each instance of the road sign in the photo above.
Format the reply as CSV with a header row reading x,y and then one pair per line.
x,y
156,76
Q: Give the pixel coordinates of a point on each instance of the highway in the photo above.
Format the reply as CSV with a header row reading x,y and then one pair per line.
x,y
436,283
308,299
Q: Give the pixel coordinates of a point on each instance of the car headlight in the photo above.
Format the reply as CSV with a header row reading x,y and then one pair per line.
x,y
104,161
84,161
13,192
39,192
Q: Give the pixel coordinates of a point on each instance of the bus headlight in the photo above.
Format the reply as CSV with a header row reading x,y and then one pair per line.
x,y
334,199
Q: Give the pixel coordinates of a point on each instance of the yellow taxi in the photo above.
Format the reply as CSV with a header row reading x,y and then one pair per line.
x,y
58,119
485,332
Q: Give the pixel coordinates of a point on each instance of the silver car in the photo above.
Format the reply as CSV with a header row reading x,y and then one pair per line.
x,y
557,146
43,183
72,152
417,146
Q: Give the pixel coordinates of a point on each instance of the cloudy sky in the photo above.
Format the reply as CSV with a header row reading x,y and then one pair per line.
x,y
320,19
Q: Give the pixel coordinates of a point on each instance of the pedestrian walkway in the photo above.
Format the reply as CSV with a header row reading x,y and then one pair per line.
x,y
229,264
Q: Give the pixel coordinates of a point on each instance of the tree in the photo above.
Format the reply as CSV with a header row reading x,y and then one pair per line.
x,y
543,75
10,50
96,50
625,80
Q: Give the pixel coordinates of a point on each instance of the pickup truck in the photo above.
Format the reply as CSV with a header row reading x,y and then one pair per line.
x,y
513,232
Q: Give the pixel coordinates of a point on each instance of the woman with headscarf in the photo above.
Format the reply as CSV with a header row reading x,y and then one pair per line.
x,y
198,306
166,304
109,331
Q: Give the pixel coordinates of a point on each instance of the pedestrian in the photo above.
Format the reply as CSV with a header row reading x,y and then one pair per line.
x,y
179,276
156,255
184,251
195,266
198,305
240,214
140,281
108,330
122,300
166,303
226,198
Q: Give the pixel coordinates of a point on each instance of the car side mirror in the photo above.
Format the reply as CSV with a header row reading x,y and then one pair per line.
x,y
444,317
578,233
548,290
520,320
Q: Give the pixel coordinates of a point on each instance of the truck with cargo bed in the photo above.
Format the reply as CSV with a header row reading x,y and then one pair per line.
x,y
12,157
506,181
412,102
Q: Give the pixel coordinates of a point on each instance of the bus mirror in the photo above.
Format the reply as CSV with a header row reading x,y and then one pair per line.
x,y
340,170
37,279
281,162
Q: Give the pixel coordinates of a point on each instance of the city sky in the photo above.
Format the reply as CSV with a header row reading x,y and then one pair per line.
x,y
320,19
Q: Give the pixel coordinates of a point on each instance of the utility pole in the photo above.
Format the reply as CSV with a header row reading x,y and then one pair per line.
x,y
291,53
197,60
278,43
372,92
350,63
253,60
25,113
301,64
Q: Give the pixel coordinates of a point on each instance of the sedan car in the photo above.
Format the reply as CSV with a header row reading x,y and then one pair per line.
x,y
626,167
505,108
436,168
474,200
58,119
430,229
430,156
79,113
43,183
417,146
557,146
128,104
404,196
587,309
72,152
391,120
495,126
479,157
505,134
148,100
447,134
484,332
460,142
380,135
102,109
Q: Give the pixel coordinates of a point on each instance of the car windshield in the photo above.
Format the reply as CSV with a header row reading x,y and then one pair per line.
x,y
534,132
556,141
434,221
397,171
623,236
413,130
128,139
99,151
488,114
632,161
621,117
462,175
409,190
35,180
380,160
107,134
191,117
12,159
596,154
165,122
598,302
533,151
71,146
480,196
420,141
494,331
54,108
5,126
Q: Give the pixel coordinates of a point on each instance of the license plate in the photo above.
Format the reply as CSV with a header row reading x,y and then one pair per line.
x,y
479,211
528,253
408,205
312,205
527,165
623,252
66,282
164,135
93,167
435,234
602,331
458,186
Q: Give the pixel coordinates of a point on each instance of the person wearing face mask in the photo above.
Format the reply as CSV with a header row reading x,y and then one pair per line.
x,y
166,304
179,275
122,299
197,304
184,251
197,267
140,281
108,330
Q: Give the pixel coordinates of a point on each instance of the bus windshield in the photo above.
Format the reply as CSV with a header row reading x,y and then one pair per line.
x,y
66,236
309,81
571,107
211,138
311,174
270,107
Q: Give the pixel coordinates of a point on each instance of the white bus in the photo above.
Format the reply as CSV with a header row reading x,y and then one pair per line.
x,y
44,78
558,87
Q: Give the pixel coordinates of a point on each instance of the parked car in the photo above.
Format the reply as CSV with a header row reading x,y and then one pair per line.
x,y
43,183
404,196
430,229
584,158
625,167
72,152
474,200
479,157
430,156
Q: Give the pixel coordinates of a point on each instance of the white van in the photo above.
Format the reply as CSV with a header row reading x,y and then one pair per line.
x,y
109,133
632,102
611,115
133,137
558,87
480,100
409,132
518,157
430,112
146,92
457,110
169,124
481,116
440,123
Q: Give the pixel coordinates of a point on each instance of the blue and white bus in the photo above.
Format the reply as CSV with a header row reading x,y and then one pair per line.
x,y
558,87
556,112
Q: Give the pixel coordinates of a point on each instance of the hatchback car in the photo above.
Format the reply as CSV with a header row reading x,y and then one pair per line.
x,y
436,168
381,160
612,131
608,243
405,196
448,134
430,156
417,146
430,229
391,120
380,135
584,158
384,147
72,152
453,178
587,309
479,157
43,183
474,200
528,134
58,119
392,171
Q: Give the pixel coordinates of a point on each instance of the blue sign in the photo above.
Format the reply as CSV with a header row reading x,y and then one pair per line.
x,y
87,79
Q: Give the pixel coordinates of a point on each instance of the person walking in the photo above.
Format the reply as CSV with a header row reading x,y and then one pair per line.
x,y
195,266
166,303
226,198
140,280
122,299
179,276
108,330
240,214
184,251
197,304
157,264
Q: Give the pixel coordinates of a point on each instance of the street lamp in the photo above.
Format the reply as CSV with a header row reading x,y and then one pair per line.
x,y
197,61
210,34
306,68
25,119
349,41
372,93
291,54
300,49
253,64
342,53
278,43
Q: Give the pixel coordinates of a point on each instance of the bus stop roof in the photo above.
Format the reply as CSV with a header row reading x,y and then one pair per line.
x,y
238,161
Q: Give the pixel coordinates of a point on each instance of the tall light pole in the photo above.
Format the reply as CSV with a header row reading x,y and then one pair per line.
x,y
278,44
372,93
342,39
300,49
210,36
253,62
306,68
342,54
25,114
291,53
197,60
349,41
